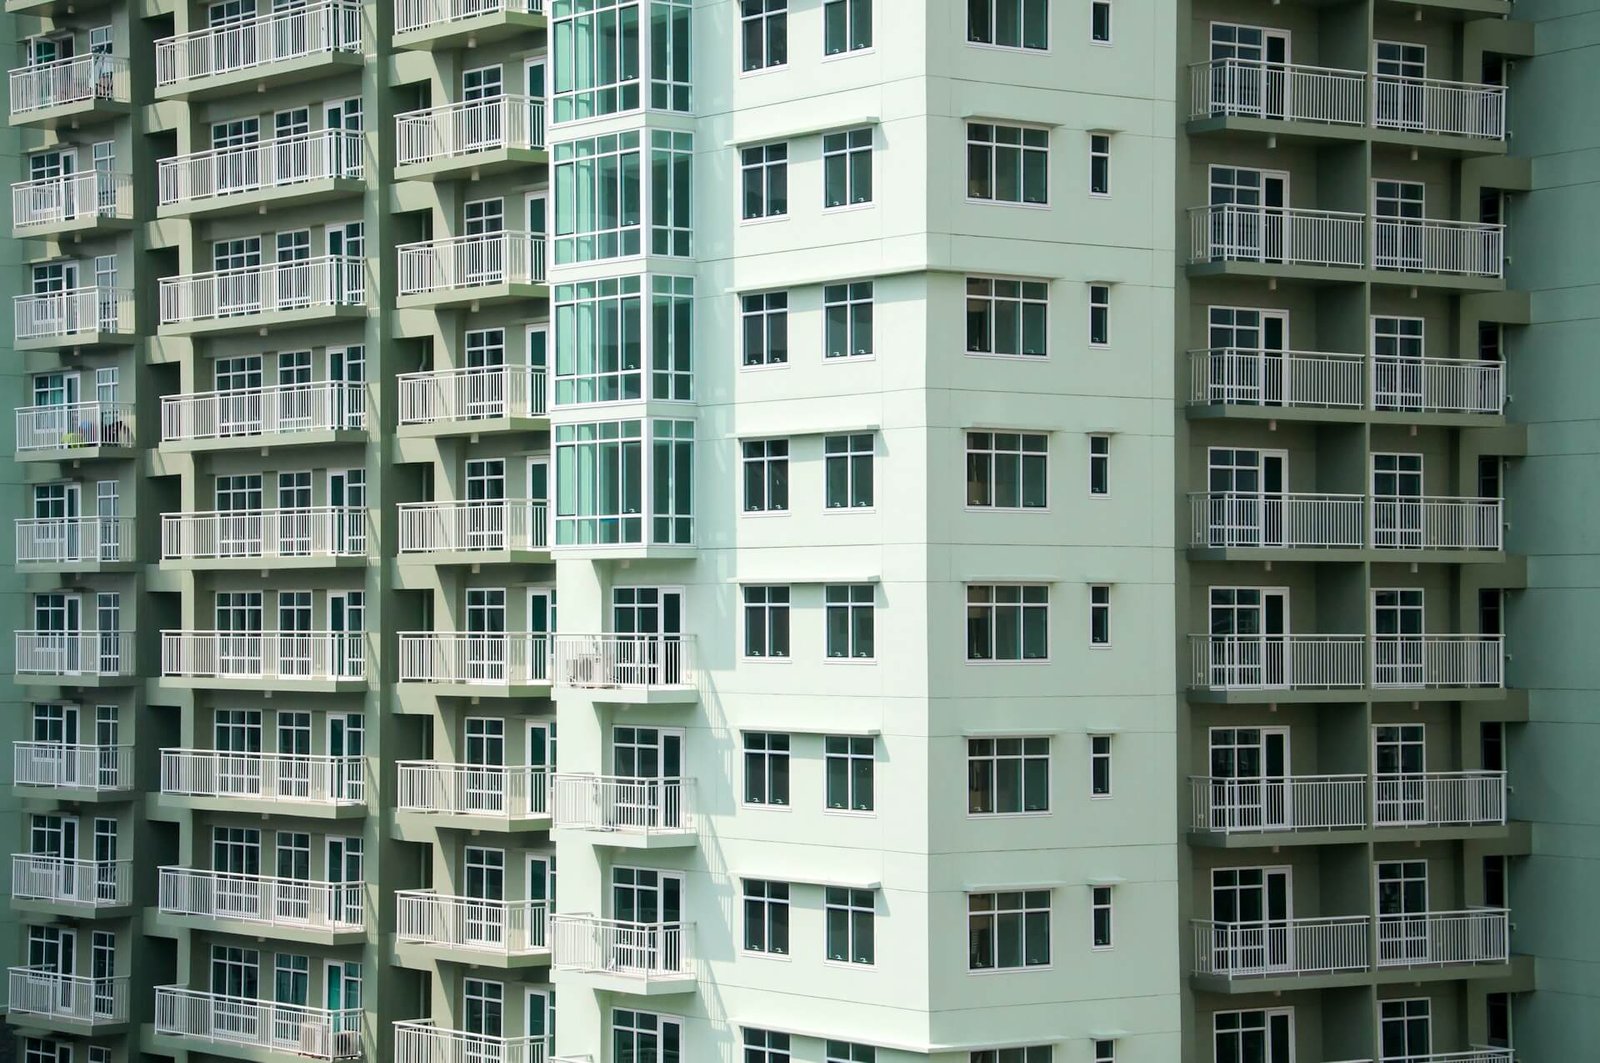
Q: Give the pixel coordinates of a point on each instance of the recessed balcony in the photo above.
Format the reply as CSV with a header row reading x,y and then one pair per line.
x,y
76,318
501,531
86,658
1225,663
475,401
89,770
473,796
423,1042
473,137
428,24
76,884
284,172
471,270
187,1015
210,778
317,911
304,660
75,204
76,431
625,957
315,537
70,92
629,669
1310,804
287,45
76,544
1275,381
258,298
326,411
1334,524
623,811
66,1001
477,663
471,929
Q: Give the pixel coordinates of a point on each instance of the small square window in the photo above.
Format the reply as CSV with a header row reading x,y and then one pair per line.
x,y
1105,1052
845,1052
765,1046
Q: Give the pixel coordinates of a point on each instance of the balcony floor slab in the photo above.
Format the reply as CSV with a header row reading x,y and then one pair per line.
x,y
62,909
422,956
75,114
1278,839
280,197
57,1024
1290,131
77,343
655,986
261,77
471,32
1261,696
76,567
425,826
260,564
187,1047
274,686
1303,983
53,8
621,695
432,558
474,297
78,795
157,923
472,166
82,681
87,225
618,839
265,441
1346,555
1346,275
473,427
1338,415
77,454
169,806
264,323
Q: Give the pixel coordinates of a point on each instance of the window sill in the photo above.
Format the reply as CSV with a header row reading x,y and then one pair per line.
x,y
1007,203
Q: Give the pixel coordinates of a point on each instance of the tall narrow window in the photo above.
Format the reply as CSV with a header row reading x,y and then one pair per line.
x,y
1100,21
1099,164
1100,615
766,917
1099,765
1099,465
1099,315
1100,917
847,168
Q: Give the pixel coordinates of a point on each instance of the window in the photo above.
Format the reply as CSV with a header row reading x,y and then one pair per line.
x,y
1007,470
765,317
765,1046
1105,1052
1006,776
671,192
847,313
1100,615
766,769
1100,21
600,354
766,917
1099,315
766,622
1008,164
849,620
670,31
1031,1054
1099,165
845,1052
765,170
1009,24
1100,907
1006,316
850,926
597,198
601,76
766,475
847,168
1008,930
846,26
847,470
1008,622
848,763
1100,765
1099,465
764,29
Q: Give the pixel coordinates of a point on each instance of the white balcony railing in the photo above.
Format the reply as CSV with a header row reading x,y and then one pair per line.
x,y
73,540
632,661
471,394
74,426
1280,235
1438,385
1288,662
278,163
295,777
1440,939
323,406
294,33
1282,947
422,1042
99,653
91,883
75,312
502,524
1428,246
77,767
644,951
321,531
1427,105
624,804
68,998
411,16
1226,376
489,790
262,899
1436,523
466,262
272,287
494,659
82,78
1252,89
1440,799
1294,803
71,197
271,655
1288,521
1438,661
506,928
313,1033
459,130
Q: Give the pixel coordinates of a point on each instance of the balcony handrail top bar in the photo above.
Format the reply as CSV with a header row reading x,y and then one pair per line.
x,y
104,59
76,861
254,21
85,176
1440,83
306,758
1252,925
424,376
266,512
1262,352
206,872
429,893
39,971
241,150
1262,64
1270,780
1307,212
256,271
461,241
428,1026
81,404
461,105
473,635
27,297
264,389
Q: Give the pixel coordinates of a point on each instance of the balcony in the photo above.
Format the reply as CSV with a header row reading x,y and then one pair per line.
x,y
272,49
1279,380
483,930
306,660
86,658
290,538
187,1015
327,411
629,669
76,884
638,958
483,796
79,317
626,812
423,1042
58,766
72,204
1254,96
509,531
1346,662
428,24
272,295
1271,807
209,778
64,1000
1330,523
475,137
283,172
77,543
1272,241
471,271
84,88
77,431
311,910
501,398
478,664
